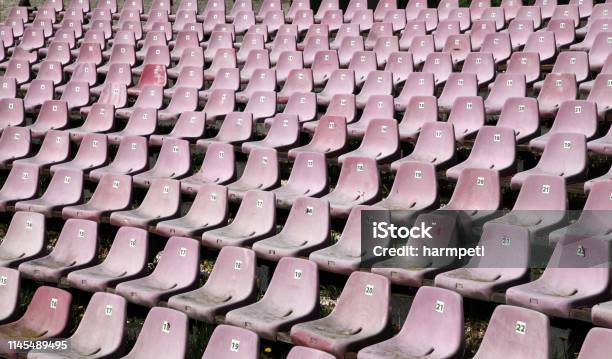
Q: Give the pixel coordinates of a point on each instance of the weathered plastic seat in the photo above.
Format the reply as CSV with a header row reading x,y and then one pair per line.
x,y
256,60
572,260
20,184
521,115
308,178
189,126
357,184
142,122
595,345
457,85
9,293
299,352
189,77
208,210
23,241
131,157
458,46
563,28
570,62
543,43
420,110
359,318
329,137
217,167
417,84
220,103
46,316
74,249
164,333
39,92
125,260
54,149
176,271
228,340
380,142
105,310
92,153
53,115
515,332
161,201
226,79
419,334
494,148
14,144
231,284
377,107
292,296
340,82
173,162
283,133
467,116
564,156
573,116
600,94
600,50
236,128
255,219
64,189
505,86
153,75
261,172
499,45
298,81
113,193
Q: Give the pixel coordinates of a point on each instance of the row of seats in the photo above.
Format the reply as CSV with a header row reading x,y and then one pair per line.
x,y
359,319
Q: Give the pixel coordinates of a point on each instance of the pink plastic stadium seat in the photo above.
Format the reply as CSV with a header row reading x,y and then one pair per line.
x,y
23,241
64,189
377,107
494,148
436,145
595,344
572,260
525,63
467,116
91,154
9,293
161,202
176,271
125,260
283,133
142,122
329,137
543,43
420,334
131,157
217,167
164,333
419,111
189,126
14,144
298,352
254,220
600,94
505,86
173,162
515,332
521,115
38,92
46,316
380,142
565,156
54,149
341,81
457,85
292,296
261,172
20,184
417,84
208,210
231,284
308,178
74,249
113,193
573,116
570,62
53,115
227,340
360,317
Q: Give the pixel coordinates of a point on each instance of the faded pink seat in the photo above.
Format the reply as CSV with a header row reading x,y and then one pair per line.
x,y
298,81
125,260
594,219
54,149
499,45
298,352
226,79
400,65
360,317
570,62
362,62
283,134
308,178
287,61
440,65
162,201
12,112
341,81
329,137
231,341
183,99
142,122
377,107
543,43
65,188
345,255
176,271
506,85
419,111
457,85
191,77
505,264
262,105
255,219
435,145
20,184
131,157
380,141
38,92
53,115
596,344
292,296
189,126
24,240
420,334
236,128
417,84
113,193
217,167
358,183
565,156
231,284
92,153
14,144
104,310
601,94
153,75
220,102
556,89
562,287
74,249
459,47
515,332
46,316
494,148
173,162
574,116
521,115
297,236
9,293
260,173
467,116
164,332
377,83
208,210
